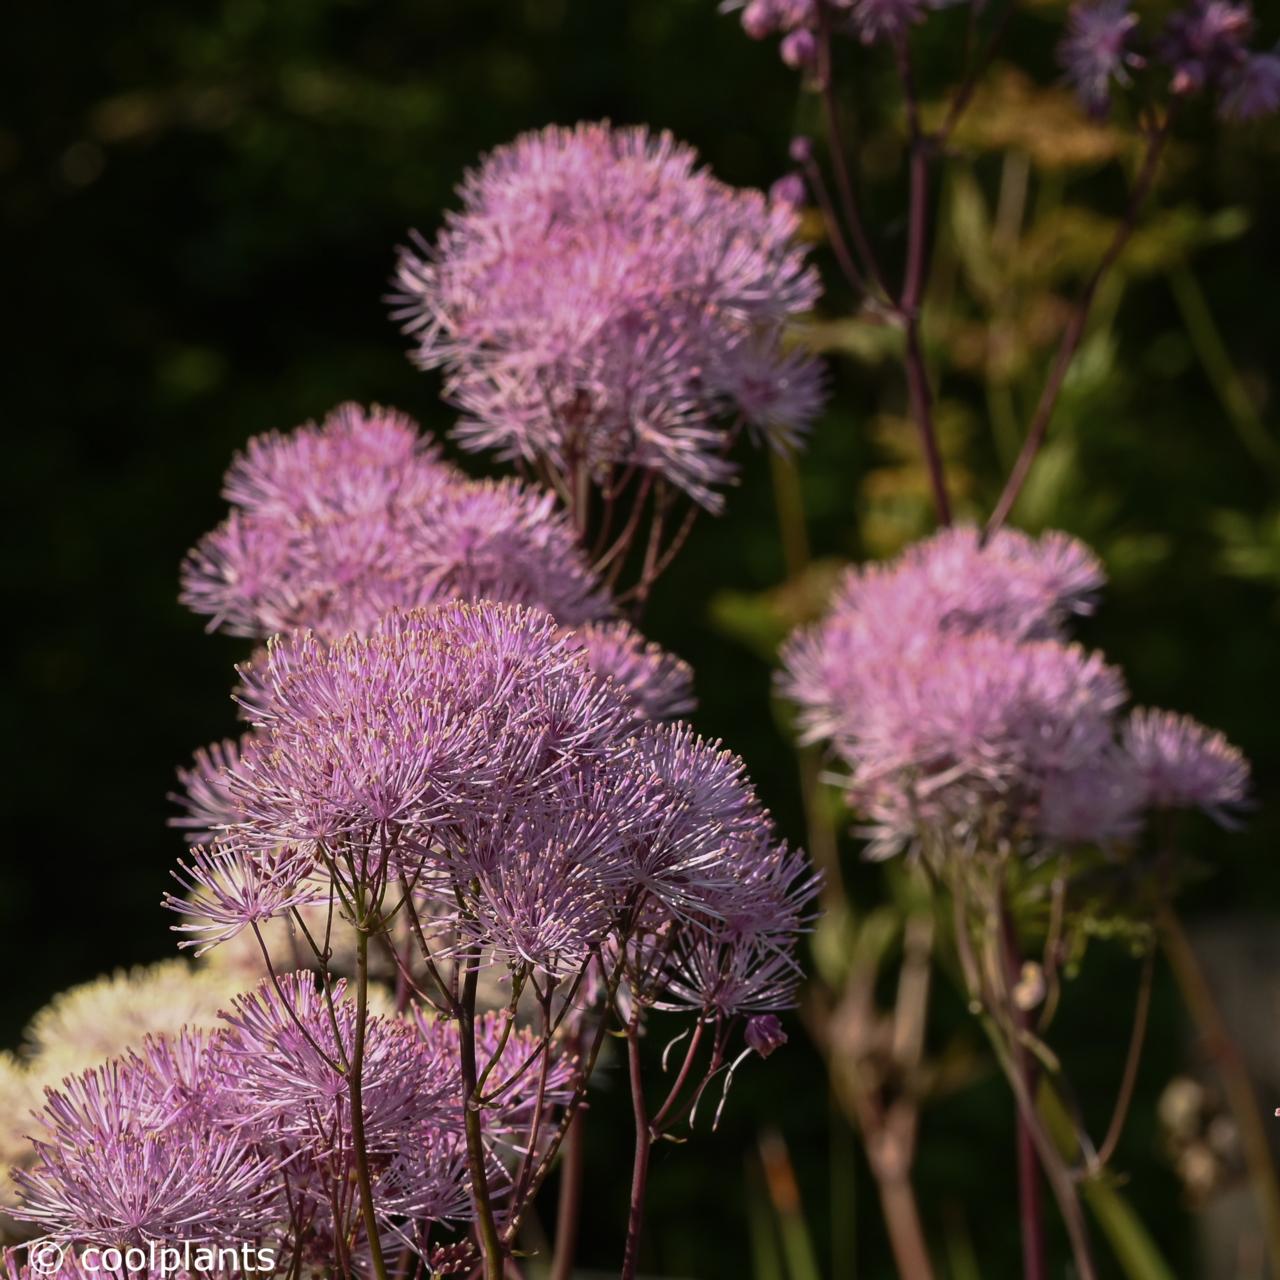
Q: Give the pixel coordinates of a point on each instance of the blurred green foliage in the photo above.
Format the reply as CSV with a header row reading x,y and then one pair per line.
x,y
200,204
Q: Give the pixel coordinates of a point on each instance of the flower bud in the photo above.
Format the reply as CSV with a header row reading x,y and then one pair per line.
x,y
789,189
799,49
764,1034
801,149
759,20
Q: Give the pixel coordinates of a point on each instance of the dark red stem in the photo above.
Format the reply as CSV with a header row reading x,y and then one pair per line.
x,y
640,1167
915,276
486,1226
1030,1199
1074,332
840,160
570,1206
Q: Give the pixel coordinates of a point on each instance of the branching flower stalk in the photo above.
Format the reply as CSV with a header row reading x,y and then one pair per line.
x,y
1202,49
881,1098
643,1146
986,967
842,1019
946,686
1074,332
457,788
900,680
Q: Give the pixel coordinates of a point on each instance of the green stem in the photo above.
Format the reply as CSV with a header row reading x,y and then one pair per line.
x,y
1216,361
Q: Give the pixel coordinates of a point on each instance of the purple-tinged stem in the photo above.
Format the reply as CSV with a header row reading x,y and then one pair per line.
x,y
570,1112
1030,1200
921,398
682,1077
644,1144
915,276
617,553
1074,332
835,232
1132,1060
640,592
839,158
1006,1040
339,1065
486,1227
1030,1203
964,94
356,1086
540,1098
667,557
569,1208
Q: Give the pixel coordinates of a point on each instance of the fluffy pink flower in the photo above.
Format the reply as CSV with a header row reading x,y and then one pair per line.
x,y
658,684
1184,765
334,526
1097,51
437,714
944,683
286,1089
206,800
599,302
951,584
119,1164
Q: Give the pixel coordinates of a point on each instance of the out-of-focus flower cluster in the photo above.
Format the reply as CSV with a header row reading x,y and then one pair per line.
x,y
1203,48
946,684
334,525
603,308
799,23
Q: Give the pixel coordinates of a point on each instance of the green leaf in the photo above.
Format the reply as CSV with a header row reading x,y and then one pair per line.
x,y
1130,1241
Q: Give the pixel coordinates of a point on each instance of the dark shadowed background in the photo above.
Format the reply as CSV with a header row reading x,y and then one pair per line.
x,y
200,205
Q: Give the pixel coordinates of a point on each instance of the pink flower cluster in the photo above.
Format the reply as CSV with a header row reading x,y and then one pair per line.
x,y
467,750
947,685
601,306
800,22
1203,47
245,1134
455,760
334,525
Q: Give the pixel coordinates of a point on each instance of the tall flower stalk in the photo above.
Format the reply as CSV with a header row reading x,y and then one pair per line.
x,y
906,680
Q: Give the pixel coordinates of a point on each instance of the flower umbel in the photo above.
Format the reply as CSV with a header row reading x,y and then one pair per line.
x,y
946,684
